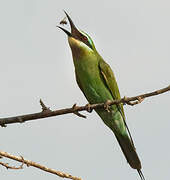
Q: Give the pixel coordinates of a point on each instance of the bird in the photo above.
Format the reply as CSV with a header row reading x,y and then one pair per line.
x,y
97,81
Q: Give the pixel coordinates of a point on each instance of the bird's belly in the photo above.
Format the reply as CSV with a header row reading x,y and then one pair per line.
x,y
97,92
111,118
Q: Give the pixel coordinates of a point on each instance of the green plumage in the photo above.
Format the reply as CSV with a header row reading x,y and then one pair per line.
x,y
97,82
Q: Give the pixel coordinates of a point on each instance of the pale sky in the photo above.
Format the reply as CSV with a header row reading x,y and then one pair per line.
x,y
36,62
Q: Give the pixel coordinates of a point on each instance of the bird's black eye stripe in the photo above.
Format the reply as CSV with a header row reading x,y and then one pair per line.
x,y
85,40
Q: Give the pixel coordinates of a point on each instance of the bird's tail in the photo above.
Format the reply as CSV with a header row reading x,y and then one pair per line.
x,y
130,153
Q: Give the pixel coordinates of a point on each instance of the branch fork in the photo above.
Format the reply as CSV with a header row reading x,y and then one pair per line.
x,y
75,109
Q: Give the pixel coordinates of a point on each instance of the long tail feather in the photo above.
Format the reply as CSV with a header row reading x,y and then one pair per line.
x,y
126,153
141,174
130,153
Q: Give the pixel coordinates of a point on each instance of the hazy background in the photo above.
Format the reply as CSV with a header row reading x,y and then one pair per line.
x,y
35,62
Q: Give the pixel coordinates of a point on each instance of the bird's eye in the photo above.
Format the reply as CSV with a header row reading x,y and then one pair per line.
x,y
85,38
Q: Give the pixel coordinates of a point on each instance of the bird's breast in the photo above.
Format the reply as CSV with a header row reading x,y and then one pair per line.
x,y
91,82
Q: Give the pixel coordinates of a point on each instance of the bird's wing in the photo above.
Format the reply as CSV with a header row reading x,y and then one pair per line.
x,y
110,82
79,84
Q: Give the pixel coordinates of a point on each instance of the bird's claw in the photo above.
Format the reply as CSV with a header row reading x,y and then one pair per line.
x,y
107,105
88,108
138,101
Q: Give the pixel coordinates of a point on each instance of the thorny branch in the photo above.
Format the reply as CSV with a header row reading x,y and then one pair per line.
x,y
46,112
34,164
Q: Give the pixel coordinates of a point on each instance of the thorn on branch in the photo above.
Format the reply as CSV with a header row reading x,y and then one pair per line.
x,y
44,107
74,107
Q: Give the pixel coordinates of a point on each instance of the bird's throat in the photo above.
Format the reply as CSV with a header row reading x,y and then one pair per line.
x,y
78,48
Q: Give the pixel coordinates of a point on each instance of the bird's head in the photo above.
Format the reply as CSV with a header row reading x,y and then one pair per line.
x,y
80,42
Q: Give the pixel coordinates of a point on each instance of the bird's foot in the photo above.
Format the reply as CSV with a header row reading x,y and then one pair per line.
x,y
140,99
132,103
107,105
88,108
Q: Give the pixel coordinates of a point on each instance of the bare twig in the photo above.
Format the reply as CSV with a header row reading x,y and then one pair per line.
x,y
76,109
11,167
34,164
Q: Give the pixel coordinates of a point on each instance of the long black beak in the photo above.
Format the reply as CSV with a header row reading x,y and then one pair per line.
x,y
67,32
74,31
